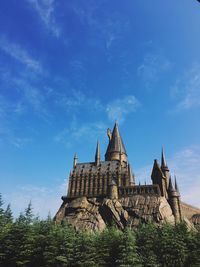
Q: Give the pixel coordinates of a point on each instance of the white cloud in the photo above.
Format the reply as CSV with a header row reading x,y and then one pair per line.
x,y
21,55
7,133
108,30
43,199
120,108
152,67
78,100
46,10
186,90
77,131
185,164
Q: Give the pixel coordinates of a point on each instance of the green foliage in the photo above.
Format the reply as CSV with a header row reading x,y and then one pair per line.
x,y
128,255
146,242
171,245
30,242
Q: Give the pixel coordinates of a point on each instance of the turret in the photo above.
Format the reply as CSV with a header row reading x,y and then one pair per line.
x,y
75,160
131,176
97,155
115,149
176,185
158,178
174,200
113,190
164,168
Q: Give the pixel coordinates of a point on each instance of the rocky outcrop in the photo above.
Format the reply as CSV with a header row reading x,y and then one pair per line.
x,y
95,214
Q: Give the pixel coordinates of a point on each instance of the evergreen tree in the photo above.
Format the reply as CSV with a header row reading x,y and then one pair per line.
x,y
1,212
8,217
128,255
42,230
146,243
108,247
193,248
171,246
84,250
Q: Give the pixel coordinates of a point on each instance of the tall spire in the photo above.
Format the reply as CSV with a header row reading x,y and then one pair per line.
x,y
75,160
115,146
97,155
156,168
163,160
130,174
171,188
176,185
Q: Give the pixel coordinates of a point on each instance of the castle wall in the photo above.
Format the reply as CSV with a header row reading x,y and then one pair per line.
x,y
188,211
139,190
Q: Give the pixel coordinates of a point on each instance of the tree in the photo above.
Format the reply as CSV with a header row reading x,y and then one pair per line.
x,y
171,245
193,248
128,255
8,217
107,247
1,211
146,243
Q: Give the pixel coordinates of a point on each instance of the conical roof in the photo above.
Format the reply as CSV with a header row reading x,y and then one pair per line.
x,y
171,188
97,154
163,161
116,144
176,185
156,167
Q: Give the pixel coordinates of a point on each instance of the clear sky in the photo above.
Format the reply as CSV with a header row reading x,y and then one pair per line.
x,y
69,69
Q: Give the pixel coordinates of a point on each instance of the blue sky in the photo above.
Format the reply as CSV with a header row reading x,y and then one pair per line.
x,y
69,69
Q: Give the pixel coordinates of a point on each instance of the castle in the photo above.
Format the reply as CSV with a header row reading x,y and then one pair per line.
x,y
113,179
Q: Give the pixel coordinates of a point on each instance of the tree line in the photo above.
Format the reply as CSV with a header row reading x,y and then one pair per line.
x,y
31,242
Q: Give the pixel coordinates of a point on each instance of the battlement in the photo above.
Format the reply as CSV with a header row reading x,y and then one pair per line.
x,y
139,190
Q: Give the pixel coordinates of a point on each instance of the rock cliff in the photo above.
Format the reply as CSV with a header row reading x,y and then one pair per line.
x,y
95,214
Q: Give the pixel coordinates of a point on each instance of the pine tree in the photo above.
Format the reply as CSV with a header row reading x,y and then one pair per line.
x,y
128,255
171,246
1,212
84,250
107,247
8,217
193,248
146,241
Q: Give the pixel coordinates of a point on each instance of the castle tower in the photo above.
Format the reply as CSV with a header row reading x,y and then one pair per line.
x,y
113,190
164,168
174,201
115,149
97,155
158,177
75,160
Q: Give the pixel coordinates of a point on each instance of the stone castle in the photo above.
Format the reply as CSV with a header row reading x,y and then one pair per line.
x,y
101,193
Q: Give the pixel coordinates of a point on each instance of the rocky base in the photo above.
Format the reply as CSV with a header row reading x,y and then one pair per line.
x,y
95,214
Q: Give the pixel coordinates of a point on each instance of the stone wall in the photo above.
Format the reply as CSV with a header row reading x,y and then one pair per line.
x,y
188,211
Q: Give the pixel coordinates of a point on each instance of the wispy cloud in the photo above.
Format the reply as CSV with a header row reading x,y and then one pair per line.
x,y
21,55
186,90
120,108
8,134
77,100
153,65
185,164
46,12
108,29
43,199
77,132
